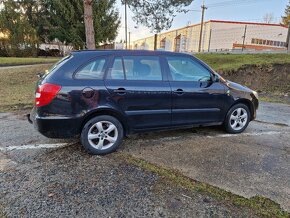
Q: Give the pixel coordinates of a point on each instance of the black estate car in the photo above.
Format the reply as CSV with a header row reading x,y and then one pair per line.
x,y
105,95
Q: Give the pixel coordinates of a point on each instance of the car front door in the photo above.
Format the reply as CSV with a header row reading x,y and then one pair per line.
x,y
138,88
196,98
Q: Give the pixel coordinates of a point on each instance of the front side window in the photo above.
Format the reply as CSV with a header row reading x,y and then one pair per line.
x,y
186,69
142,68
93,70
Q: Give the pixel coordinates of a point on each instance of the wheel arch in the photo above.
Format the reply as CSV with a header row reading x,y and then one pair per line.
x,y
109,112
246,102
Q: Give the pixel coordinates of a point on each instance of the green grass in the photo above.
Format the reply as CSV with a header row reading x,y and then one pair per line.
x,y
18,86
216,61
259,205
21,61
235,61
274,99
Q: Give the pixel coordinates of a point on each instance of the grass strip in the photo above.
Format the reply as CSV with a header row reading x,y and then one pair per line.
x,y
12,61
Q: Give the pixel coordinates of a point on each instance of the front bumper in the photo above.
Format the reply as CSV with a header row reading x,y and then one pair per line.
x,y
28,118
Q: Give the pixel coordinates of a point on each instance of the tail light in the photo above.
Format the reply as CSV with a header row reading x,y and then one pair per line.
x,y
45,93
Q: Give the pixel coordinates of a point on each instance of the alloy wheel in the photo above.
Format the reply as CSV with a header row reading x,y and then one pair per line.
x,y
238,119
102,135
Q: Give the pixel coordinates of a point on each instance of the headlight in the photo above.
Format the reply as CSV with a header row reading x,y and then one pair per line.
x,y
256,94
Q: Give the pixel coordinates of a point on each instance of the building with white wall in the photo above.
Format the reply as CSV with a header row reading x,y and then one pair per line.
x,y
219,36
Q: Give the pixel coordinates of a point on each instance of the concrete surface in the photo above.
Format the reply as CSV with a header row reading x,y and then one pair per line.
x,y
256,162
274,113
69,182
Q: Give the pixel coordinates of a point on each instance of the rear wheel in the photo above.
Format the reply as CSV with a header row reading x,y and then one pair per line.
x,y
102,135
237,119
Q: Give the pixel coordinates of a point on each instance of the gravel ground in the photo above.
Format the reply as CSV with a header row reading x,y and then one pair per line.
x,y
69,183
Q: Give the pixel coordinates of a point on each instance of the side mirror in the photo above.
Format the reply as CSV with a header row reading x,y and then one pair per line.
x,y
215,78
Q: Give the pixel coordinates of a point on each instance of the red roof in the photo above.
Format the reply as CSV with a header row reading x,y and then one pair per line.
x,y
239,22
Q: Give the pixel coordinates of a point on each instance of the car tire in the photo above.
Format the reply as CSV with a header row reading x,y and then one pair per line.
x,y
102,135
237,119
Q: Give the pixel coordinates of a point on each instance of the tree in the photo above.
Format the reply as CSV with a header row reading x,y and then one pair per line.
x,y
106,21
24,24
268,18
286,18
20,36
89,24
66,21
156,15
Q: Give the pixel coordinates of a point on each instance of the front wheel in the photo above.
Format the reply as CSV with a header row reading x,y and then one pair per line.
x,y
102,135
237,119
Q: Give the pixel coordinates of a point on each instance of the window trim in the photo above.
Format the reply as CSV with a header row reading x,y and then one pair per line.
x,y
104,69
112,61
163,72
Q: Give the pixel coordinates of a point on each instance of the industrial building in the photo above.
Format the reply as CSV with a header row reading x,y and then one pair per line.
x,y
219,36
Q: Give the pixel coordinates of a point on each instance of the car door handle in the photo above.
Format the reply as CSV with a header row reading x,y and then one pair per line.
x,y
120,91
179,91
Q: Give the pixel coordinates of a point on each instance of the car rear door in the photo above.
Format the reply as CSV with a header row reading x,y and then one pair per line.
x,y
137,87
196,99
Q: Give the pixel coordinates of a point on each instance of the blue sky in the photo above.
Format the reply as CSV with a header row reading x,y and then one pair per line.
x,y
234,10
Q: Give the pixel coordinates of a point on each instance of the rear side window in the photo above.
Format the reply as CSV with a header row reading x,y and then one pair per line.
x,y
57,65
92,70
136,68
142,68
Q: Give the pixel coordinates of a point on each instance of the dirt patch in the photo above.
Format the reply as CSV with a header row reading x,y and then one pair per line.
x,y
5,164
274,78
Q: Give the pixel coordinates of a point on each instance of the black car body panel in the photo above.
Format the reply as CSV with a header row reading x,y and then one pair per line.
x,y
139,105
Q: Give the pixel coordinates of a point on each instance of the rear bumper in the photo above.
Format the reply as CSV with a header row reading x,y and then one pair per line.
x,y
56,127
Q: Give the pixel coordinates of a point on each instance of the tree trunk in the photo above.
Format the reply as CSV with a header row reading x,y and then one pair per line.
x,y
155,41
89,24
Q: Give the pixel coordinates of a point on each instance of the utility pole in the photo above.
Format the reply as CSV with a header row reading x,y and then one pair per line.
x,y
203,8
129,40
288,39
126,24
209,41
244,37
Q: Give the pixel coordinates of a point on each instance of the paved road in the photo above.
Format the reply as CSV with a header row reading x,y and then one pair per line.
x,y
21,66
274,113
68,181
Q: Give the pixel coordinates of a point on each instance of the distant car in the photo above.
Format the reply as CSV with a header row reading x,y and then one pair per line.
x,y
105,95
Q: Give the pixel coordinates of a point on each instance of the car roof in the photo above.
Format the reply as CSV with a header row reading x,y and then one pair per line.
x,y
125,52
